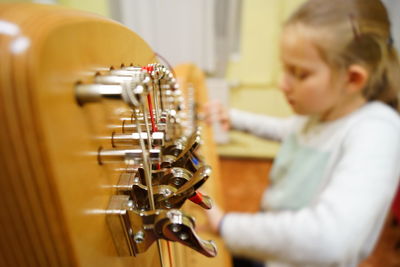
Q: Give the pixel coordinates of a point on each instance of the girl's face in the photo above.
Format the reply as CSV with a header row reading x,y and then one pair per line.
x,y
308,82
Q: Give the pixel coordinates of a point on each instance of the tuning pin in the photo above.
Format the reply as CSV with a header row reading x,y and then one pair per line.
x,y
127,127
111,79
127,88
117,140
128,156
126,71
132,68
86,93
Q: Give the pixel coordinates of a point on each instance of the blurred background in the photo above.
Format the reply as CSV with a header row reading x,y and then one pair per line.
x,y
235,42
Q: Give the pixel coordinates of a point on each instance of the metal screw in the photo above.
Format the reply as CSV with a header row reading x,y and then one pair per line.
x,y
166,192
139,237
176,228
183,236
177,182
167,204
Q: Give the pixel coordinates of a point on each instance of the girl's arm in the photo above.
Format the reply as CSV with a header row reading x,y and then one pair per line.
x,y
269,127
345,220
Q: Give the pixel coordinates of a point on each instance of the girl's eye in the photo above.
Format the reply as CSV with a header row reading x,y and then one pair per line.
x,y
298,74
302,75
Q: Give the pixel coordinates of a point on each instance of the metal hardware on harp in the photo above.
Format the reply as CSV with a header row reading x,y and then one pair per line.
x,y
161,152
100,146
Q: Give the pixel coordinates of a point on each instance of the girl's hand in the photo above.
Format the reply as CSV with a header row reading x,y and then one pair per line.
x,y
214,111
215,216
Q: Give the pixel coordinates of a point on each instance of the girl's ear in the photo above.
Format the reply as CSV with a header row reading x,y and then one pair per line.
x,y
357,78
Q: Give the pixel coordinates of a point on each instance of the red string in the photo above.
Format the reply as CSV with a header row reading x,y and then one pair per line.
x,y
153,123
150,103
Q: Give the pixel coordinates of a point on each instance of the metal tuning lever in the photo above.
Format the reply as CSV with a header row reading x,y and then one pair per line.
x,y
135,231
179,227
158,155
171,188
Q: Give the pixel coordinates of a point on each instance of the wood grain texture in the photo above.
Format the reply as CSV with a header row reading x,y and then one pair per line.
x,y
53,193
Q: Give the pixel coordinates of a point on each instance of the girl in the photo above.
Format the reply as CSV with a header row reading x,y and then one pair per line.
x,y
339,164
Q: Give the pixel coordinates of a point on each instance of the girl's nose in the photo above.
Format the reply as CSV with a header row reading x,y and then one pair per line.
x,y
284,83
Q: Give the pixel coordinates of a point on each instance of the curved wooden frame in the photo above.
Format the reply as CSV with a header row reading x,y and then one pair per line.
x,y
53,194
52,191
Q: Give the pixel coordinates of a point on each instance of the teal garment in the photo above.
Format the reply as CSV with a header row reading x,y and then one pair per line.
x,y
297,175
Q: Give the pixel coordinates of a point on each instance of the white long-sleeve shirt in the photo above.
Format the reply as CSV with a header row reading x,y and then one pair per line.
x,y
332,185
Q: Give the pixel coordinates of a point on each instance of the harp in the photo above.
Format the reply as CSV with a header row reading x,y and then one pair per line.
x,y
68,166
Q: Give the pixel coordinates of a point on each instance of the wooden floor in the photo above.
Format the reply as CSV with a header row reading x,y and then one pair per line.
x,y
244,180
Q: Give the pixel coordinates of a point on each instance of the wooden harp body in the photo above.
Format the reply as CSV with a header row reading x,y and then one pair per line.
x,y
53,193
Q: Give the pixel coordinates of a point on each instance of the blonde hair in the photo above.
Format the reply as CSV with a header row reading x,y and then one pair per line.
x,y
350,32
